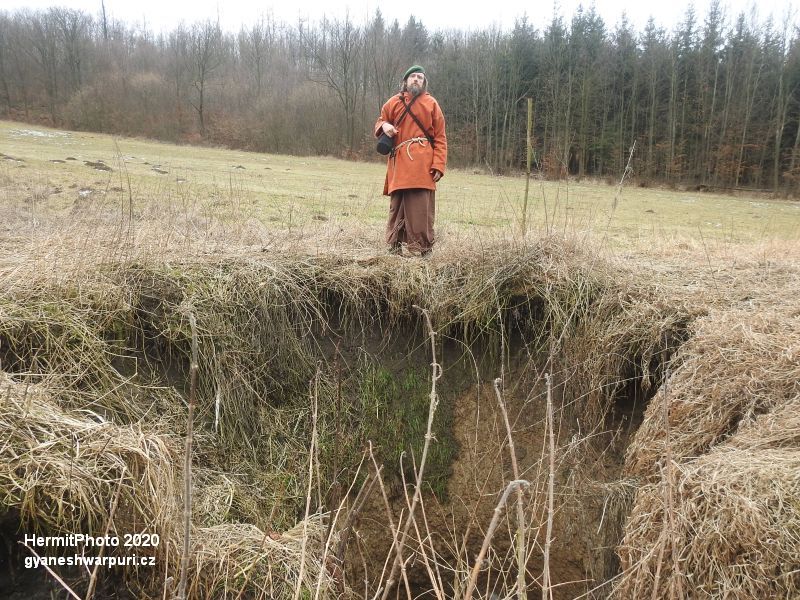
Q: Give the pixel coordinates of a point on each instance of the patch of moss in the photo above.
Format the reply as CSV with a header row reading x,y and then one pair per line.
x,y
394,409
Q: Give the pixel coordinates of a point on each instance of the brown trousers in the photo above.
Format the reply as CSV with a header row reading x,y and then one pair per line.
x,y
411,216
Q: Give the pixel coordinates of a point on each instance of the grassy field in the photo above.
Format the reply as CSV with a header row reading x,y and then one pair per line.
x,y
46,171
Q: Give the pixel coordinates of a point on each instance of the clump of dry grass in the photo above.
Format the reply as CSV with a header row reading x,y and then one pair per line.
x,y
61,470
738,364
733,407
72,334
616,350
227,559
737,527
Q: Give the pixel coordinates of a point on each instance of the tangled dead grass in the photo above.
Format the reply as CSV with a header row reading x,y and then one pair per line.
x,y
108,330
727,525
61,468
66,471
738,364
736,529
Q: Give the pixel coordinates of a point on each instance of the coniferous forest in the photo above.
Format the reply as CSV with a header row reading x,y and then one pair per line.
x,y
714,101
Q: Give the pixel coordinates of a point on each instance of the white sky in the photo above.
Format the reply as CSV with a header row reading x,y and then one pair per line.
x,y
435,14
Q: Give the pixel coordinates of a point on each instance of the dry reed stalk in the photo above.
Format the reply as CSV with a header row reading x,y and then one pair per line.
x,y
187,464
436,373
668,526
547,586
499,384
435,581
314,398
463,567
436,562
390,518
360,499
55,576
487,540
352,518
675,575
114,504
627,171
520,537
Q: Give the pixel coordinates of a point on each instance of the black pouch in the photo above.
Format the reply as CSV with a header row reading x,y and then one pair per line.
x,y
385,144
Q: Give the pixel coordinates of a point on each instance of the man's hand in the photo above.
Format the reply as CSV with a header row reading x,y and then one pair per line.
x,y
437,175
389,129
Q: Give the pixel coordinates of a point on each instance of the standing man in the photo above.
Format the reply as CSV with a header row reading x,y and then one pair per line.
x,y
415,123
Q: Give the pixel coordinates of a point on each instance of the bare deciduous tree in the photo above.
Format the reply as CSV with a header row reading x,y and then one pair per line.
x,y
205,58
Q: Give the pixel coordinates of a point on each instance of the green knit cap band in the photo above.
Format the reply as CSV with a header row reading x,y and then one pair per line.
x,y
414,69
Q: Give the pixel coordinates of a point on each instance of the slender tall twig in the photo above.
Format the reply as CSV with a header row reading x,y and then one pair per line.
x,y
187,463
676,586
618,194
439,581
429,563
395,533
53,573
628,170
114,504
314,385
352,518
529,151
361,497
547,586
520,541
487,540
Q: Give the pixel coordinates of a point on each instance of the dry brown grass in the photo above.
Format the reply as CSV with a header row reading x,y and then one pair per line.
x,y
735,438
737,365
60,470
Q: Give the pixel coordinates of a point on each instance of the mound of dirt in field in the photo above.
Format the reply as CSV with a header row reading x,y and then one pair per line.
x,y
98,165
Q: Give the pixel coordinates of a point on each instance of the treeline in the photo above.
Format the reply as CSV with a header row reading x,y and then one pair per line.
x,y
714,102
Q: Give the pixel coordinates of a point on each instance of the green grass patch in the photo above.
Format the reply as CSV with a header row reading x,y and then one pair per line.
x,y
395,416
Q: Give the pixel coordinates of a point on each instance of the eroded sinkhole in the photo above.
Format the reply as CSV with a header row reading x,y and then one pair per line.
x,y
339,354
473,463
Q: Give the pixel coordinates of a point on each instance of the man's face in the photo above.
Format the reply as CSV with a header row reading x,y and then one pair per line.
x,y
415,82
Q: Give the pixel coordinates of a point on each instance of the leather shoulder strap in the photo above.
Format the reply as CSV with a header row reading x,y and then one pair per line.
x,y
416,120
406,108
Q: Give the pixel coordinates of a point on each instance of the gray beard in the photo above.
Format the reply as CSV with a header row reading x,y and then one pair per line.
x,y
414,90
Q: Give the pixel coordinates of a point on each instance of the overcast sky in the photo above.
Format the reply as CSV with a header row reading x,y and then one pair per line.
x,y
435,14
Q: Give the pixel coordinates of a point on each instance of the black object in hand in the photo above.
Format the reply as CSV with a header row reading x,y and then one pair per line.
x,y
385,144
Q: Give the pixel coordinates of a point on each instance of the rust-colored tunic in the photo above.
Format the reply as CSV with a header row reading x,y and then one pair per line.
x,y
411,164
